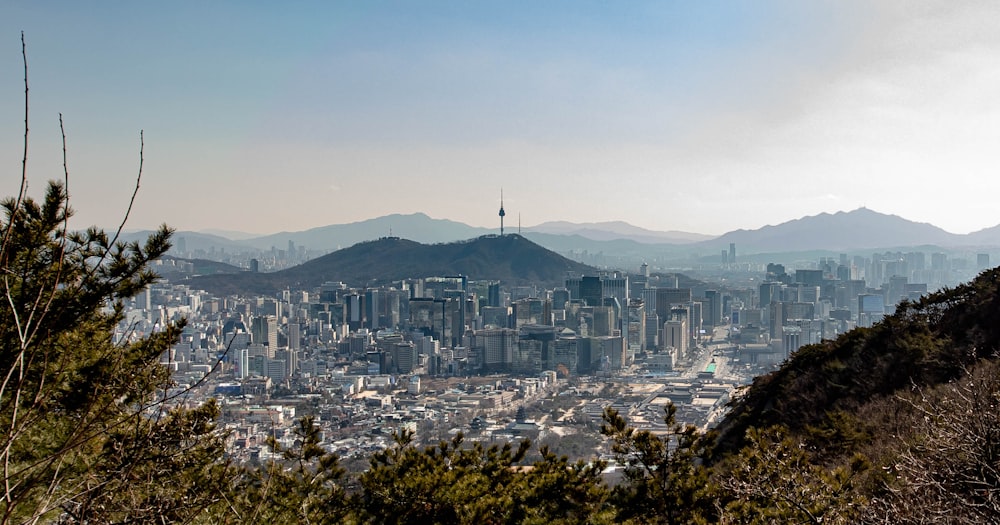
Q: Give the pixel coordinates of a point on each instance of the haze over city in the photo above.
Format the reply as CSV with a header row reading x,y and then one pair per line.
x,y
702,117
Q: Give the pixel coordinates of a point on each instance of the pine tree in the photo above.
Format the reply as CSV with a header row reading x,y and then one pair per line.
x,y
84,426
86,432
666,480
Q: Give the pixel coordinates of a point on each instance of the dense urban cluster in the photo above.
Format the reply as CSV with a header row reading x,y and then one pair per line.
x,y
435,356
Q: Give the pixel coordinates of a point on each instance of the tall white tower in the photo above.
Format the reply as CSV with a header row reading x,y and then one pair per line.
x,y
502,213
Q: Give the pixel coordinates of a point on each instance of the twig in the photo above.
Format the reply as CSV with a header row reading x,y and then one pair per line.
x,y
131,202
24,158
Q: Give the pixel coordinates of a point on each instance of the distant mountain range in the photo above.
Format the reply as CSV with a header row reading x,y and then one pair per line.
x,y
512,259
609,231
841,231
860,229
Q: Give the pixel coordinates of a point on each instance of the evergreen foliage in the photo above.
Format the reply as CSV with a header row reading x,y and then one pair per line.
x,y
85,434
666,480
305,486
455,483
926,342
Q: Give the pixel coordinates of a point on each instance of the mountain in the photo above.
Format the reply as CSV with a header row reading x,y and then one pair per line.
x,y
841,231
928,342
188,241
512,259
619,244
174,268
606,231
984,237
416,226
230,234
900,417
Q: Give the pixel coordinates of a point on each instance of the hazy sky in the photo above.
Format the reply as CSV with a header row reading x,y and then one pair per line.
x,y
697,116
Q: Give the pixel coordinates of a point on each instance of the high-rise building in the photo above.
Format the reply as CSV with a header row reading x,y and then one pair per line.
x,y
428,316
264,330
604,321
675,335
494,298
652,330
536,349
636,326
591,290
791,339
610,351
668,297
294,336
560,296
712,316
809,277
355,311
566,359
495,348
404,357
531,311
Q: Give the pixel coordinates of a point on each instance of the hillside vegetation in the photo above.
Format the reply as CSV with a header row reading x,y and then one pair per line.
x,y
901,419
509,258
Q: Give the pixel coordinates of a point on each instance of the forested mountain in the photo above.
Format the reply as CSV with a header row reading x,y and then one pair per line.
x,y
902,417
509,258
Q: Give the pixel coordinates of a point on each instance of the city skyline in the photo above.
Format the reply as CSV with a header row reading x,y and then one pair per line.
x,y
701,118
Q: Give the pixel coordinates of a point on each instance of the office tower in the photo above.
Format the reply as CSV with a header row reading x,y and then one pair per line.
x,y
713,315
494,297
566,358
809,277
610,353
294,335
535,349
652,331
355,311
791,339
495,348
667,297
560,296
404,357
636,326
531,311
676,336
603,321
264,330
591,290
429,316
769,292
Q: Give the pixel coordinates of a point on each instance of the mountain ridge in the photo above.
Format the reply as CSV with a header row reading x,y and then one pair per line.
x,y
859,229
510,258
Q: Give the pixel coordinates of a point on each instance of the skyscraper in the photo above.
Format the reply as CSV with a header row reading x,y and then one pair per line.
x,y
264,330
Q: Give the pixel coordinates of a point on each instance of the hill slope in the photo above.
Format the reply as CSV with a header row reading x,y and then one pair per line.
x,y
923,344
416,226
510,258
606,231
858,229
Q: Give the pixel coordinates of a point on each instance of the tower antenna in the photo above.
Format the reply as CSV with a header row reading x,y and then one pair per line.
x,y
502,213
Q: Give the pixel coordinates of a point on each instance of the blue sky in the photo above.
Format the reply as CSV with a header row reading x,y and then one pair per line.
x,y
694,116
